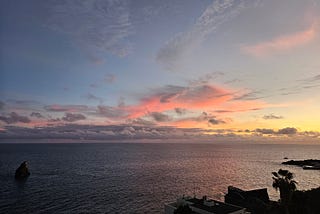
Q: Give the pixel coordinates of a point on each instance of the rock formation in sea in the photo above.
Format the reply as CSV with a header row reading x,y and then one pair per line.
x,y
23,171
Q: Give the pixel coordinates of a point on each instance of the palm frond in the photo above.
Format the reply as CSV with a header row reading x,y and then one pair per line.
x,y
283,172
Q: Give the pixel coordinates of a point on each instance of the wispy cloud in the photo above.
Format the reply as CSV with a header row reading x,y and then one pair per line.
x,y
140,122
213,16
313,79
2,104
22,102
111,112
282,43
215,121
13,117
66,108
180,111
311,82
249,95
36,114
203,120
70,117
93,97
96,26
109,78
316,78
206,79
159,117
301,86
54,120
272,117
236,106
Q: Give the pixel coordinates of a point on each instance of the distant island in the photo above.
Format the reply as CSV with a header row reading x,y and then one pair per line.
x,y
311,164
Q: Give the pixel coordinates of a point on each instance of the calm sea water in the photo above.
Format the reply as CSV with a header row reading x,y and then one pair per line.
x,y
138,178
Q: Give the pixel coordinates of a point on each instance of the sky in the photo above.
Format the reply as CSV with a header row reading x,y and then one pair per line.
x,y
149,70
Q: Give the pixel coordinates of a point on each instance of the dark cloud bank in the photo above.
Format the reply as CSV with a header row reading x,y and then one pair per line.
x,y
94,132
128,133
284,131
13,117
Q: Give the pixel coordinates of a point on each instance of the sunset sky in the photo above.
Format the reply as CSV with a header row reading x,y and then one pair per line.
x,y
209,70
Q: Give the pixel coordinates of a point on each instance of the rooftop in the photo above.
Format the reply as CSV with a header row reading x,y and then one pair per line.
x,y
261,194
216,208
205,205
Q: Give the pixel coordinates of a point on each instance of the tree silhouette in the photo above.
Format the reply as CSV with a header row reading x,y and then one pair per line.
x,y
283,180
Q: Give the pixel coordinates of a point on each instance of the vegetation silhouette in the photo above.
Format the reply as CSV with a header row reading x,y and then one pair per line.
x,y
305,201
293,201
283,180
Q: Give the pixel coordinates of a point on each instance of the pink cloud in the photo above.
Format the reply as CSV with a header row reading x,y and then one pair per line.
x,y
204,98
159,106
282,43
199,97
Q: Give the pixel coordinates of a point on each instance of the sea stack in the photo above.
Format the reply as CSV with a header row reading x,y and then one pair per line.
x,y
23,171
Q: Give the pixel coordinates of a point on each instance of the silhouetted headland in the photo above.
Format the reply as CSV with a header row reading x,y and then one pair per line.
x,y
23,171
306,164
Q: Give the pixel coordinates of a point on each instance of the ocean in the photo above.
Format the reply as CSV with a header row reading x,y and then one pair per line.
x,y
139,177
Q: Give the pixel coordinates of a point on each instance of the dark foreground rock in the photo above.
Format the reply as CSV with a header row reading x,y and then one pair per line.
x,y
306,202
23,171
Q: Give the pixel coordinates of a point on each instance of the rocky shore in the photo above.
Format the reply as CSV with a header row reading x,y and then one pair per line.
x,y
305,164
